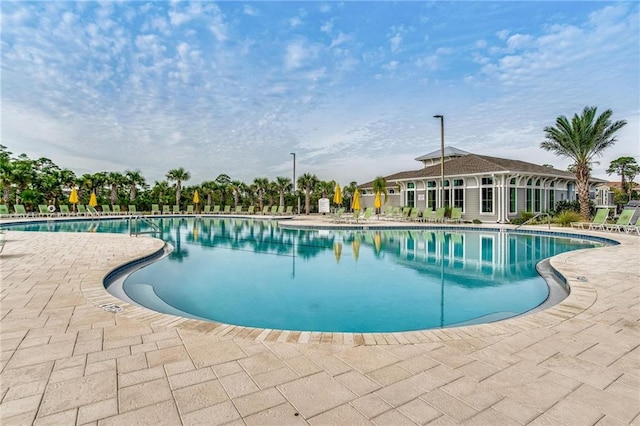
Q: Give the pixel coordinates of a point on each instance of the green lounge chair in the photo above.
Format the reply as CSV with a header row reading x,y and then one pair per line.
x,y
4,211
289,210
207,209
274,210
251,210
82,210
227,209
116,209
106,209
64,210
426,215
166,209
439,216
368,213
176,209
456,215
597,223
265,210
280,210
337,215
629,229
132,209
43,210
216,209
238,209
155,209
387,213
623,220
406,211
190,209
415,215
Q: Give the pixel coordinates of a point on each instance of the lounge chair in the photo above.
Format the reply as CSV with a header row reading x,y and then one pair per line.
x,y
43,210
387,212
82,210
190,209
155,209
289,210
439,216
597,223
368,213
274,210
20,210
176,209
415,215
456,215
426,215
280,210
4,211
64,210
265,210
116,209
166,209
227,209
207,209
251,210
337,216
623,220
629,229
238,209
106,209
132,209
216,209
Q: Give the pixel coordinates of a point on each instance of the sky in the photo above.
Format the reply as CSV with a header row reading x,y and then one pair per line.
x,y
350,87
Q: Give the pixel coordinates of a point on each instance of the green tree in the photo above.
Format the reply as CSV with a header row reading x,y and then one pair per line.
x,y
237,189
134,179
115,179
308,182
5,174
178,175
282,184
625,167
261,186
581,139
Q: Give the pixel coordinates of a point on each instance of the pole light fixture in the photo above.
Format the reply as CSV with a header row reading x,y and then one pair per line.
x,y
441,117
294,178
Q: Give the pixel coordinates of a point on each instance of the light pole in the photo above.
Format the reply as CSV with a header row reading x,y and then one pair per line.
x,y
441,117
294,178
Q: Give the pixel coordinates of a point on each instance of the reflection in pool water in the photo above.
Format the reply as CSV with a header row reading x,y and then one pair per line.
x,y
253,273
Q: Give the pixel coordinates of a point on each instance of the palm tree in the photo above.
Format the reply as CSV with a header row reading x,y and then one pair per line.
x,y
349,190
22,174
625,167
308,182
115,179
134,178
160,188
325,187
581,139
5,174
223,181
261,187
282,184
237,188
179,175
380,185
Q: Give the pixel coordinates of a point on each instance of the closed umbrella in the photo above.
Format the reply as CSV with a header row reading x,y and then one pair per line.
x,y
377,203
196,199
337,195
355,205
93,201
73,198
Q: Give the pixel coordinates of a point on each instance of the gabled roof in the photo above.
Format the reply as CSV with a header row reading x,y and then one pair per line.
x,y
471,164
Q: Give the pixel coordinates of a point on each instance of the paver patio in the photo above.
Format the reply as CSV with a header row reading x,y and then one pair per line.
x,y
65,360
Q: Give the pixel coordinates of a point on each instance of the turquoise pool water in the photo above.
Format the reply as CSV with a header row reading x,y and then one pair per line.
x,y
253,273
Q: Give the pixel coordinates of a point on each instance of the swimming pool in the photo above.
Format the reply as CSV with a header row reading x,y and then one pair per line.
x,y
254,273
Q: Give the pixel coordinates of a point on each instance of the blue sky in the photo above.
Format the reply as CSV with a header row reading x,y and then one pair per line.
x,y
351,87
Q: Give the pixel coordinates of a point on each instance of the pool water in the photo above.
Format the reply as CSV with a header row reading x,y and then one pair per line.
x,y
253,273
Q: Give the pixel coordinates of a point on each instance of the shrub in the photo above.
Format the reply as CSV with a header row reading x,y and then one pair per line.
x,y
566,217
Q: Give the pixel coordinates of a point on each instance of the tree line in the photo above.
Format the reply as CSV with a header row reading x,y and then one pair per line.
x,y
32,182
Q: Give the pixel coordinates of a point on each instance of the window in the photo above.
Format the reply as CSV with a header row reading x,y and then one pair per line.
x,y
552,196
411,195
447,193
431,194
458,193
513,204
528,201
537,197
487,195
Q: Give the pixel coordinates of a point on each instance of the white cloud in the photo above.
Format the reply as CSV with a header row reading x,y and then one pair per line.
x,y
295,21
250,10
340,39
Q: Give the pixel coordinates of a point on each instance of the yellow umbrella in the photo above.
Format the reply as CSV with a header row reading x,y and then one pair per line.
x,y
355,205
337,251
73,198
337,196
355,246
93,201
377,203
196,198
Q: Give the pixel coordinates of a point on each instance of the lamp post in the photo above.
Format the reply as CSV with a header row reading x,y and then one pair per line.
x,y
294,178
441,117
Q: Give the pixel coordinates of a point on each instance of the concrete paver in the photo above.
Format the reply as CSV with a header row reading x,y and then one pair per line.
x,y
65,360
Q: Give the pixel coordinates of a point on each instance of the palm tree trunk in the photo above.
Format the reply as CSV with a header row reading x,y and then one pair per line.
x,y
307,201
582,182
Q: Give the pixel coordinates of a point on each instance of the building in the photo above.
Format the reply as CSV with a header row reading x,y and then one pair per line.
x,y
489,189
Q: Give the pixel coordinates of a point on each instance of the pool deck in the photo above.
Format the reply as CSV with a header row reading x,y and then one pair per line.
x,y
68,359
